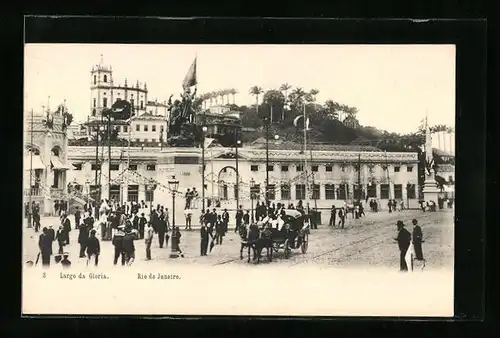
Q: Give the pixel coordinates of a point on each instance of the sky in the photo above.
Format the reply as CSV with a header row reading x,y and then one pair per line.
x,y
393,86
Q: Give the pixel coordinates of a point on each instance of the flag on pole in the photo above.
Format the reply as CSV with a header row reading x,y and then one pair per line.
x,y
190,78
298,119
208,142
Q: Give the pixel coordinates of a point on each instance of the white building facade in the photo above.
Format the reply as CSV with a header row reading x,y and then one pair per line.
x,y
332,176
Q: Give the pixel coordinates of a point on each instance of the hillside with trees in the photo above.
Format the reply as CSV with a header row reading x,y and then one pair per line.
x,y
331,122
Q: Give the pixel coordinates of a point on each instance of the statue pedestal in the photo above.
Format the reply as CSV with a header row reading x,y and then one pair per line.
x,y
430,190
185,165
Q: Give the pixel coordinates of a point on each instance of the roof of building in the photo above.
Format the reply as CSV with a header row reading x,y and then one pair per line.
x,y
446,168
157,104
442,153
260,143
149,116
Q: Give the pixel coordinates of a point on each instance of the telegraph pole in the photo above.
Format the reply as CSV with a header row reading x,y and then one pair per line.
x,y
388,177
203,130
312,173
267,159
237,173
96,160
109,155
31,172
359,177
305,156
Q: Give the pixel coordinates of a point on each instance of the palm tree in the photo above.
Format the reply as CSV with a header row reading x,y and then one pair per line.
x,y
256,90
313,92
298,95
331,109
451,132
342,112
439,129
284,88
351,121
211,95
222,94
233,92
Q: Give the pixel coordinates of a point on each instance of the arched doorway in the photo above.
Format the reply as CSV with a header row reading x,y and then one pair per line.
x,y
58,169
227,183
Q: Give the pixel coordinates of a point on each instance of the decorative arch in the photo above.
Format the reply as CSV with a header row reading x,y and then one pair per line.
x,y
56,151
226,181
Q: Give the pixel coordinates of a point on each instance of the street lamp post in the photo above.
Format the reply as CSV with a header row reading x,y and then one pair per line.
x,y
173,185
252,184
407,197
267,123
204,130
151,188
238,143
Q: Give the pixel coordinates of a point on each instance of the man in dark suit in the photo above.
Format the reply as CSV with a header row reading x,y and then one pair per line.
x,y
213,216
161,229
403,239
219,230
45,246
93,248
204,239
239,218
78,216
83,236
333,216
142,225
246,218
36,216
225,220
66,224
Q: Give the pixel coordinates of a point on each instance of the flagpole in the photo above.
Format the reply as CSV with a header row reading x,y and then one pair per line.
x,y
128,156
31,172
305,155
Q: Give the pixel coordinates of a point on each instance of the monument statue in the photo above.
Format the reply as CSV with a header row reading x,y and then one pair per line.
x,y
430,190
182,130
429,157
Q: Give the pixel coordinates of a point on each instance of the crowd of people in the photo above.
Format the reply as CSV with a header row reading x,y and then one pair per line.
x,y
124,224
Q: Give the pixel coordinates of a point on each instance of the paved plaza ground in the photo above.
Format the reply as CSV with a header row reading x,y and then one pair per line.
x,y
368,241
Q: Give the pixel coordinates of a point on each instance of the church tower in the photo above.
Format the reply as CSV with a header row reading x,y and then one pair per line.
x,y
101,88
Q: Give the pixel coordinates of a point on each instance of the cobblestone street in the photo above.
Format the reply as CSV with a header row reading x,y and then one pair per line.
x,y
364,242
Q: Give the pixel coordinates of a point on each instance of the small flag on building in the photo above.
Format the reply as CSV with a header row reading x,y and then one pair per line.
x,y
190,78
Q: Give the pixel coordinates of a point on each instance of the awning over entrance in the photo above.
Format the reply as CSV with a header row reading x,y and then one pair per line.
x,y
56,162
33,162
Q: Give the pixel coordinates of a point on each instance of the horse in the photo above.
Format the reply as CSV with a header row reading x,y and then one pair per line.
x,y
247,240
265,240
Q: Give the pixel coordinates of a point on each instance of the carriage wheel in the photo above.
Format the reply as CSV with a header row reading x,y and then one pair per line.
x,y
305,243
288,251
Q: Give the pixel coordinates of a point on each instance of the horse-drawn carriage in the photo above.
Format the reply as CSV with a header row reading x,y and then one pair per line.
x,y
288,231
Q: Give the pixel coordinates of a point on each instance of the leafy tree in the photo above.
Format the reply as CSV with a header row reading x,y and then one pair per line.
x,y
331,110
273,99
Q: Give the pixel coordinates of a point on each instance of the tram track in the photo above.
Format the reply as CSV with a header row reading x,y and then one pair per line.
x,y
384,233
